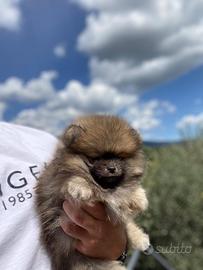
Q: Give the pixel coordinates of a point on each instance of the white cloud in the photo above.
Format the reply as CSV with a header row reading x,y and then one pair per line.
x,y
60,51
142,44
143,117
10,14
35,90
75,99
59,107
191,123
147,116
169,107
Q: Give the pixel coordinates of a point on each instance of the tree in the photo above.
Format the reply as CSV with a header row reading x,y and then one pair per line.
x,y
174,183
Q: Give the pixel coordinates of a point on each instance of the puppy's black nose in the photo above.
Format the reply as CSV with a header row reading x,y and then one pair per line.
x,y
111,169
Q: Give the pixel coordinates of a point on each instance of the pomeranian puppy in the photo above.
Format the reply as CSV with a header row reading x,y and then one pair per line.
x,y
99,158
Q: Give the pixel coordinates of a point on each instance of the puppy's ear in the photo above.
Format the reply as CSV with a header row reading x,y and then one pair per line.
x,y
136,135
71,134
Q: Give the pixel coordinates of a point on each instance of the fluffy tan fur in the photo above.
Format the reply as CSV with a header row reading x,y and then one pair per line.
x,y
68,174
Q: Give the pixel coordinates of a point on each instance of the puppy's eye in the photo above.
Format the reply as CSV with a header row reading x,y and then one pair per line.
x,y
89,162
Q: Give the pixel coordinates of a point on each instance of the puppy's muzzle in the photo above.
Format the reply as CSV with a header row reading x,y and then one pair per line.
x,y
108,173
109,178
109,182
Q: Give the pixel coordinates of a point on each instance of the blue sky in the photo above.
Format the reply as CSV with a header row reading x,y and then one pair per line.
x,y
61,59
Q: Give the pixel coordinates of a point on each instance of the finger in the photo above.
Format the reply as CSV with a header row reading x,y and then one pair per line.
x,y
96,210
80,217
73,230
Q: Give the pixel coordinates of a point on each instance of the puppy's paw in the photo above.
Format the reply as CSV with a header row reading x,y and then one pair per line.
x,y
78,189
149,250
143,242
139,200
143,204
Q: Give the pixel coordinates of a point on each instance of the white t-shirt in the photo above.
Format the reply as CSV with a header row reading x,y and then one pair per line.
x,y
23,152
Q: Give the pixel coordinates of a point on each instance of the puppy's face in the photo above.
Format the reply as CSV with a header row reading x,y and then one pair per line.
x,y
108,170
109,147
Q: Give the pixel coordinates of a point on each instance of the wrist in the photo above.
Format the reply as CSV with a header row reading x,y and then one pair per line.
x,y
123,256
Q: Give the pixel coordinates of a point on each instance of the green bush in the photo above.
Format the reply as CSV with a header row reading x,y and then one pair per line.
x,y
174,183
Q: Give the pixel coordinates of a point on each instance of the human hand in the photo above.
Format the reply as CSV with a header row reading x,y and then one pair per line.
x,y
95,235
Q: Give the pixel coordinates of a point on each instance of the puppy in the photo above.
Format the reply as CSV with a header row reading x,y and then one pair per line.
x,y
99,158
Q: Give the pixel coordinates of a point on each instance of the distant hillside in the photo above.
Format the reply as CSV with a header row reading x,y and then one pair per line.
x,y
159,144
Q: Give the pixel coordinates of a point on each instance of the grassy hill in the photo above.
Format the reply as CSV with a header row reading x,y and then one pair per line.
x,y
158,144
174,183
